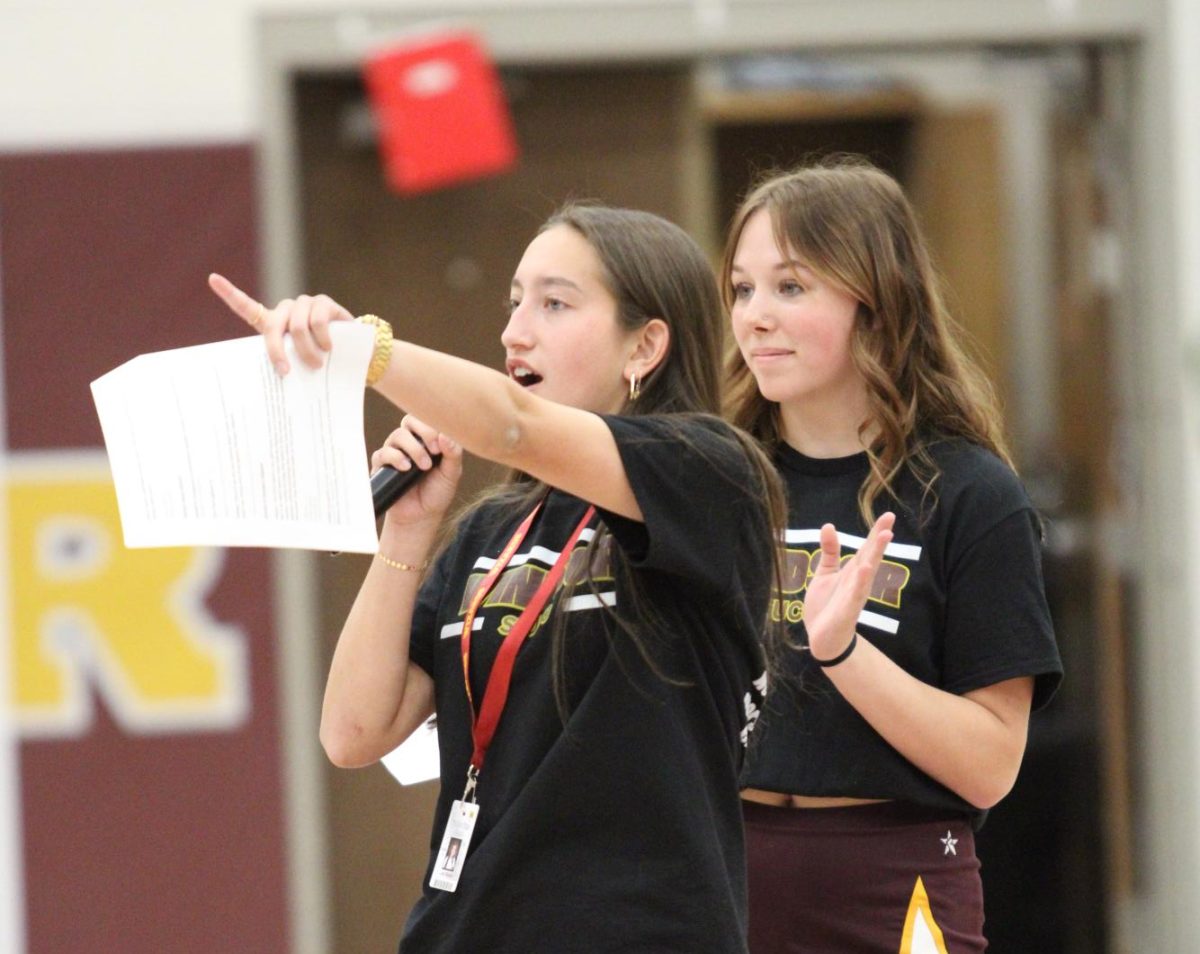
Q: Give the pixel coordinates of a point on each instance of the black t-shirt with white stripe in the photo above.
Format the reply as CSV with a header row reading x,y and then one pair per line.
x,y
958,603
620,830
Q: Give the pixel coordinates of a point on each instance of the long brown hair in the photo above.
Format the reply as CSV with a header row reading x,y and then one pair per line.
x,y
851,223
654,269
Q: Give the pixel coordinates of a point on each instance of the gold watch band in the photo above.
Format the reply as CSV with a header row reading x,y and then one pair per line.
x,y
382,354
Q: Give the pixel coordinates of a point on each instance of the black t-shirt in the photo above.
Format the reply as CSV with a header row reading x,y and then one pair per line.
x,y
619,831
958,603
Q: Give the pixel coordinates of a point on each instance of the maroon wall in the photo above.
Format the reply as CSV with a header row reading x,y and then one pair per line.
x,y
139,841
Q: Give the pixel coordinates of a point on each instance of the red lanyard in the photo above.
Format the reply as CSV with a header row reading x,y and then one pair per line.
x,y
495,694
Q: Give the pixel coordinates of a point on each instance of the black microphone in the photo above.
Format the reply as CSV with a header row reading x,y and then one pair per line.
x,y
389,484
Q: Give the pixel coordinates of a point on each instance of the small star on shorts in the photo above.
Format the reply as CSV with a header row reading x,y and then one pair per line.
x,y
949,843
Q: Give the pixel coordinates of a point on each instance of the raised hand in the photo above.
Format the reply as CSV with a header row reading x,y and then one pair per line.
x,y
837,592
410,445
305,319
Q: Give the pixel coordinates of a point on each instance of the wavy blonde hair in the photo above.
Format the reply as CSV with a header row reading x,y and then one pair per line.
x,y
851,222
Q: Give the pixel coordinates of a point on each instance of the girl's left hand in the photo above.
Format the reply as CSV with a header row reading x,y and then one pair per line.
x,y
837,592
306,319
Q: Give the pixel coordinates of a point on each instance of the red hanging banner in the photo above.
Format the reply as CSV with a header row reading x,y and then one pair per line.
x,y
441,112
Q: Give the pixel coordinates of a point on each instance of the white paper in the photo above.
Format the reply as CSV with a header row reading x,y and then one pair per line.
x,y
209,446
416,759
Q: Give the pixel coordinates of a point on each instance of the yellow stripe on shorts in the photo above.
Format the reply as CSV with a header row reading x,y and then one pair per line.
x,y
921,932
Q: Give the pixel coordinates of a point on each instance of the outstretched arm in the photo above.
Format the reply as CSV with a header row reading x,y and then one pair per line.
x,y
973,743
483,410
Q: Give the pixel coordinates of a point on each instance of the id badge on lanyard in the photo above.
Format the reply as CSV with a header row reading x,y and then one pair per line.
x,y
464,812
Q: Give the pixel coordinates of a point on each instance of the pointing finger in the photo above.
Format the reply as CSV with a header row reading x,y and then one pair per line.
x,y
248,309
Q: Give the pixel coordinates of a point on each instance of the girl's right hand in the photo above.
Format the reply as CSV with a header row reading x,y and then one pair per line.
x,y
838,590
411,445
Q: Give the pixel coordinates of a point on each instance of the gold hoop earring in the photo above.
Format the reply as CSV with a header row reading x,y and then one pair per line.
x,y
635,386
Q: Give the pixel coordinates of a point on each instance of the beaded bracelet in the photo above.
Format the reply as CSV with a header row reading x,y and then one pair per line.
x,y
840,657
397,565
382,354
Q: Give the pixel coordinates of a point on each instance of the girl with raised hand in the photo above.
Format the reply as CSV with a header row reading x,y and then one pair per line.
x,y
606,605
878,756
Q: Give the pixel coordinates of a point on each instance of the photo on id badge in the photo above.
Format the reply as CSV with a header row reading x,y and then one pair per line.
x,y
455,842
450,858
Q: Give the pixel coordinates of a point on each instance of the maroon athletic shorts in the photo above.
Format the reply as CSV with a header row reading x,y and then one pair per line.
x,y
868,879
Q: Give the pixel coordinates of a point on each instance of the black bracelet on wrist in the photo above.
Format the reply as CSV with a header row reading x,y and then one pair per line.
x,y
840,657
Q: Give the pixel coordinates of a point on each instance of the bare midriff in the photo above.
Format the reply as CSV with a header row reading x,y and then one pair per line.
x,y
783,800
